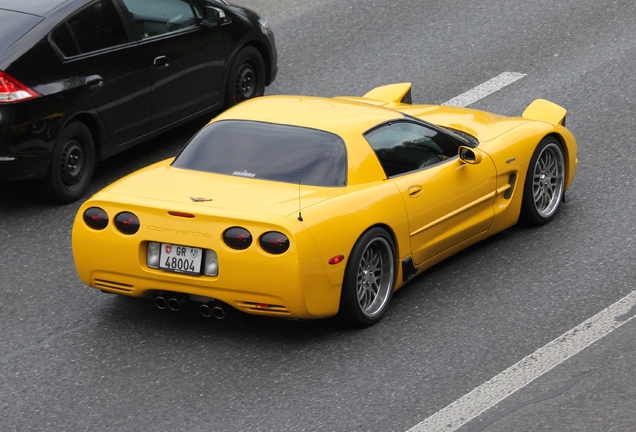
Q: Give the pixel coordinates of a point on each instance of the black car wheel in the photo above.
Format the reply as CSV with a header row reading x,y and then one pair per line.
x,y
72,165
369,279
543,189
247,76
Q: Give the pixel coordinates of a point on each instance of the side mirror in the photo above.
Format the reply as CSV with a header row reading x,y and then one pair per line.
x,y
212,17
469,155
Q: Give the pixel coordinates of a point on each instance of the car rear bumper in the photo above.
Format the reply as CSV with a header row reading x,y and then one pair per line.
x,y
273,294
295,284
24,166
27,137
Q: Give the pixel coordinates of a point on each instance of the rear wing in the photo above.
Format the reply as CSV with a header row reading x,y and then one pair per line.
x,y
547,111
387,95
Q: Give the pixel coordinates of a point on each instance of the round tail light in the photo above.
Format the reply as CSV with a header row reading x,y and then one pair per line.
x,y
237,238
96,218
274,242
127,223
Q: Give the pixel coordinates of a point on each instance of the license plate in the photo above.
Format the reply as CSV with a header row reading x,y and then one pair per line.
x,y
181,259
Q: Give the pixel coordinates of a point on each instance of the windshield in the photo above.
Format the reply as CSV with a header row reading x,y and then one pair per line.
x,y
267,151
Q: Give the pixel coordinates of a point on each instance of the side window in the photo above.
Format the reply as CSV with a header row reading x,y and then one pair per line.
x,y
404,146
95,27
158,17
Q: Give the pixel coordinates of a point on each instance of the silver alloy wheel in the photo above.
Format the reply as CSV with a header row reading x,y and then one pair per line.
x,y
548,179
375,277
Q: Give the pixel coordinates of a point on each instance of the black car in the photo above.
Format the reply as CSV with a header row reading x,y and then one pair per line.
x,y
81,80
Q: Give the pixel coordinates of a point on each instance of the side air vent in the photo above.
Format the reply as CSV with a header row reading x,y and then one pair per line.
x,y
511,182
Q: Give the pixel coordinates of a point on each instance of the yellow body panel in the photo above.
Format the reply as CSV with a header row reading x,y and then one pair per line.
x,y
430,213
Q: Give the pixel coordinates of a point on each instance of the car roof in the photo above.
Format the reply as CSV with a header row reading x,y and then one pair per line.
x,y
33,7
339,116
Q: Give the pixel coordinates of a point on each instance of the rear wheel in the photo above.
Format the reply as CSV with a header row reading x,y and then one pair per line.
x,y
543,189
369,279
72,165
247,77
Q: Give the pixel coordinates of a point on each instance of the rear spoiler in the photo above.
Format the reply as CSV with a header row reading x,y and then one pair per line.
x,y
399,93
547,111
388,96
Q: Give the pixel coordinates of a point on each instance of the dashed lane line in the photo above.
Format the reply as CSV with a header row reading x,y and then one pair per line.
x,y
481,91
522,373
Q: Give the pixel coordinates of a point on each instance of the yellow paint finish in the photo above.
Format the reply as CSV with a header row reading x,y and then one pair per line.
x,y
431,213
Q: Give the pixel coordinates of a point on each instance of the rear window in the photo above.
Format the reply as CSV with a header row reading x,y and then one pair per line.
x,y
14,26
267,151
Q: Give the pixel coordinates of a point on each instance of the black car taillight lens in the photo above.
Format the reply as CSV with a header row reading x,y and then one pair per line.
x,y
12,90
96,218
237,238
127,223
274,242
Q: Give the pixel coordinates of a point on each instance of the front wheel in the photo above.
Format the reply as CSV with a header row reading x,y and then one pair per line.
x,y
544,186
369,279
72,165
246,78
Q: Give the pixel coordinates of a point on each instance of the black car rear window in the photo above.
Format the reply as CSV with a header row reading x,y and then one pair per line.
x,y
14,26
267,151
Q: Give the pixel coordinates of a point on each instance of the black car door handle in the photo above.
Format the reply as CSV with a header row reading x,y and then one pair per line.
x,y
161,62
94,81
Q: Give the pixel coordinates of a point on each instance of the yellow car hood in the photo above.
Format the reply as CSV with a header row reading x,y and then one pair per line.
x,y
163,186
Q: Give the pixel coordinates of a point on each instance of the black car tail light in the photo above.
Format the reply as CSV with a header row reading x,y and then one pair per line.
x,y
274,242
96,218
127,223
237,238
12,90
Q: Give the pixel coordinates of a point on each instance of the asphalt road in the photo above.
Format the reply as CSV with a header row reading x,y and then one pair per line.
x,y
72,358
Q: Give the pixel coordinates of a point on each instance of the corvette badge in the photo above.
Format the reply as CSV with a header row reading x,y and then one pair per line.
x,y
199,199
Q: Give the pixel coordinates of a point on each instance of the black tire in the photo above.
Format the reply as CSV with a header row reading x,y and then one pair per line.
x,y
544,184
247,77
369,279
72,165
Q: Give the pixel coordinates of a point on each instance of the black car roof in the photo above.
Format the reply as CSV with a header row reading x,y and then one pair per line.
x,y
33,7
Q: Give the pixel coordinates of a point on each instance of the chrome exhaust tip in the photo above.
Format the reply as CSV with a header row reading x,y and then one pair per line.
x,y
161,302
174,303
218,312
205,310
212,309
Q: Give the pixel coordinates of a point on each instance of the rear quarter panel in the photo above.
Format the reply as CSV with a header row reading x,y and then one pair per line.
x,y
337,224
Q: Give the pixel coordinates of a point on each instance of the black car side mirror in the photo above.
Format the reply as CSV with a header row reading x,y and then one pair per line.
x,y
212,17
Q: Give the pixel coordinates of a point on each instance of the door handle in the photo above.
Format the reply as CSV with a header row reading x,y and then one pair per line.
x,y
161,62
415,191
94,81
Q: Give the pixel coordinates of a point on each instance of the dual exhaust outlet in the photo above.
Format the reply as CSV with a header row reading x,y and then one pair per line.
x,y
210,309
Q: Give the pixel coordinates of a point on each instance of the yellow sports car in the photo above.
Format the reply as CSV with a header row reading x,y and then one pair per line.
x,y
307,207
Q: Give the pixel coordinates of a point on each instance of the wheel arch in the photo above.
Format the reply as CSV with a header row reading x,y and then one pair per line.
x,y
366,292
262,49
94,128
267,58
396,249
569,155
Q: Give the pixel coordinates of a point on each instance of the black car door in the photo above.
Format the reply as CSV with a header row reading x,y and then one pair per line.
x,y
100,51
186,58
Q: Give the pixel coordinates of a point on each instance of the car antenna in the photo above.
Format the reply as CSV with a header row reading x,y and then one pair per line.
x,y
300,216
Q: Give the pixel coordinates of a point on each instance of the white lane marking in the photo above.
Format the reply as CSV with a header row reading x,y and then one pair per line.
x,y
485,89
519,375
